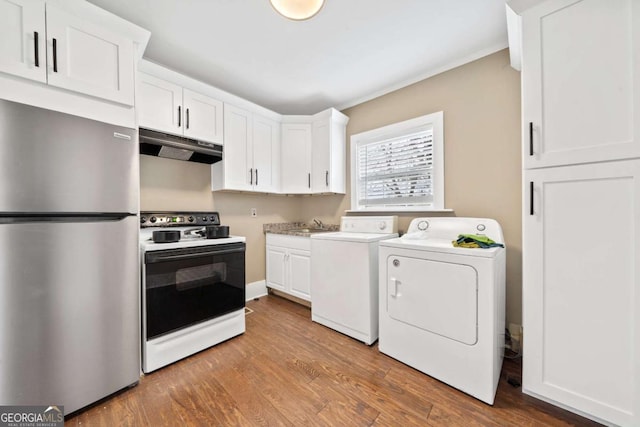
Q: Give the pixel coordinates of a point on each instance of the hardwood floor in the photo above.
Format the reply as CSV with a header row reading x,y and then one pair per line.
x,y
288,371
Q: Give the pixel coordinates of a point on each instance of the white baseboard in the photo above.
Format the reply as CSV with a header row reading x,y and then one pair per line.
x,y
256,289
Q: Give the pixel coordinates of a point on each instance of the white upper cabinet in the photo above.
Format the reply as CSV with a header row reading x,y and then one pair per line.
x,y
203,117
303,155
328,151
73,53
296,158
87,58
159,104
580,87
167,107
266,154
320,156
235,171
22,31
251,153
314,153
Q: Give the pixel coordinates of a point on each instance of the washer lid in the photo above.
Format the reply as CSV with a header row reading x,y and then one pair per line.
x,y
440,245
353,237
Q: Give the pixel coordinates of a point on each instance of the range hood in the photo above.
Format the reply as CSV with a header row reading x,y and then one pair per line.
x,y
161,144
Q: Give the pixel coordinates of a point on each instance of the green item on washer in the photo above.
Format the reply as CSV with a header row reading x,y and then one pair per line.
x,y
475,241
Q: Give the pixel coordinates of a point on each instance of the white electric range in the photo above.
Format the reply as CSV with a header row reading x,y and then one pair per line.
x,y
193,290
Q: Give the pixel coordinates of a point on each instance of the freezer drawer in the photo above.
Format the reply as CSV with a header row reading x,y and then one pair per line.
x,y
69,311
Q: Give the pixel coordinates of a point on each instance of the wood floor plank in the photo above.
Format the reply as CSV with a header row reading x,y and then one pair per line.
x,y
268,379
347,412
286,370
397,408
254,406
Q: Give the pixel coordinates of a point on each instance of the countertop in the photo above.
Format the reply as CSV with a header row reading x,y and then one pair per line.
x,y
291,228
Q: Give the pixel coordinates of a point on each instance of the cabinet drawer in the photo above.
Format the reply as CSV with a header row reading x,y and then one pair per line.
x,y
290,242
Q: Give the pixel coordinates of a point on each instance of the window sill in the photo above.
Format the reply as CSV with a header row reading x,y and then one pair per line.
x,y
399,211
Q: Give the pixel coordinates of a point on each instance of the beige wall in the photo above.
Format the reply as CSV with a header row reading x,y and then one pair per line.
x,y
481,104
176,185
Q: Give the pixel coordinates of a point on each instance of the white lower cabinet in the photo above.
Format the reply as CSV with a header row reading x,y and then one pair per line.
x,y
581,288
289,265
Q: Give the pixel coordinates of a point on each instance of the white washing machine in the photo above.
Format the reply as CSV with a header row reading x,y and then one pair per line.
x,y
442,308
344,275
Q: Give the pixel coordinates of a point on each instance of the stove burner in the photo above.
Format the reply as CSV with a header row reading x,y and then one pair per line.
x,y
166,236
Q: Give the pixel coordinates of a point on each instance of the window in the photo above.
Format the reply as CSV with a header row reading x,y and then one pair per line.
x,y
399,167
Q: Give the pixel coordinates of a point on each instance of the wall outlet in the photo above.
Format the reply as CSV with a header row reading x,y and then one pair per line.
x,y
254,212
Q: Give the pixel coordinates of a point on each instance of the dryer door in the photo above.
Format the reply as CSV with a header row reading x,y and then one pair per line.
x,y
438,297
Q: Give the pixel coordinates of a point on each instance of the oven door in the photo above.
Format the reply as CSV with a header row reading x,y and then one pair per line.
x,y
187,286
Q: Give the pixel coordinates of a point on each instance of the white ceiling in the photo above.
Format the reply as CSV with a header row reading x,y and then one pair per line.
x,y
352,51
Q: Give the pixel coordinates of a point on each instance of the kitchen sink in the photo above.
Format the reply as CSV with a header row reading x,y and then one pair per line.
x,y
310,230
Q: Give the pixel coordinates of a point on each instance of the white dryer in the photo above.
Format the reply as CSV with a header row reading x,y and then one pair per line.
x,y
344,275
442,308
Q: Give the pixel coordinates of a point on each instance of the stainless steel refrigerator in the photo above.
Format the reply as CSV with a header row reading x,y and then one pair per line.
x,y
69,260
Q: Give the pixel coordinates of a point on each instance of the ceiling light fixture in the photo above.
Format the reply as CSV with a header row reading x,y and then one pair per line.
x,y
297,10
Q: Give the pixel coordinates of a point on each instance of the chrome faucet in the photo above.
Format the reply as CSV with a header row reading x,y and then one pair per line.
x,y
318,223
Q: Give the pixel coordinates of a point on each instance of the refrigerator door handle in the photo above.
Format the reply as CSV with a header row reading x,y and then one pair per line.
x,y
20,218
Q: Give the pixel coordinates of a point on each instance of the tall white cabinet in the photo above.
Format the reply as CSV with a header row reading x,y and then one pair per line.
x,y
581,206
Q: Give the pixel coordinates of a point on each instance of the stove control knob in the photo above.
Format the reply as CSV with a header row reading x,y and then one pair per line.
x,y
204,218
212,218
191,219
143,219
153,219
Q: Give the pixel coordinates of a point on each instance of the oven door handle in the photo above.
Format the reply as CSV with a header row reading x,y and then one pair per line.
x,y
152,258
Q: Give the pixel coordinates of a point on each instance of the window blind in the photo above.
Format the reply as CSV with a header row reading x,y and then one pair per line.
x,y
396,171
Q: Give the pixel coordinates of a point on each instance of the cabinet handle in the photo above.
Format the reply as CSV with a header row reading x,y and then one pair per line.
x,y
179,115
326,178
531,138
35,48
531,198
256,176
309,179
55,55
251,176
187,120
